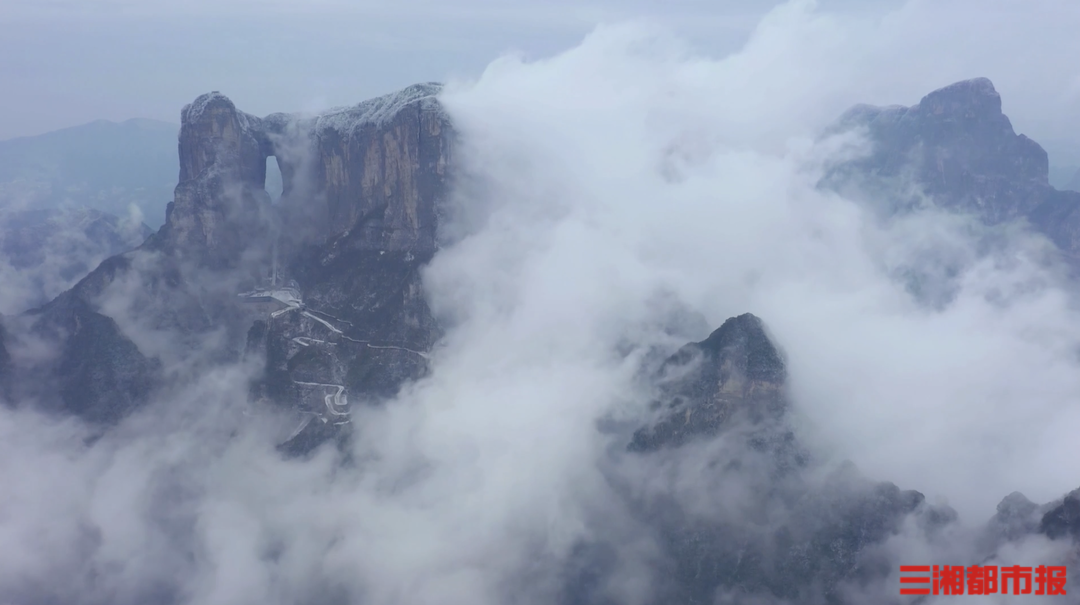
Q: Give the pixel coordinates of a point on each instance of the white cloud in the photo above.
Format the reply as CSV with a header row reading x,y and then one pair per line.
x,y
626,166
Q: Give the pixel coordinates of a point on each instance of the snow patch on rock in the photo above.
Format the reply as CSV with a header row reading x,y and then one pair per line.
x,y
380,110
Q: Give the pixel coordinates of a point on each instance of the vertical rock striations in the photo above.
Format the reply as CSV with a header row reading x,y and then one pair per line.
x,y
382,168
367,182
220,205
357,219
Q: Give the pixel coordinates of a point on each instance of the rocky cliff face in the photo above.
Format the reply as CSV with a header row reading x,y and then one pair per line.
x,y
368,177
794,536
1062,519
367,183
957,148
382,168
735,375
783,527
356,221
218,210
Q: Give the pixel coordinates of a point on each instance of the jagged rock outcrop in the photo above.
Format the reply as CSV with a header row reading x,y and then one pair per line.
x,y
736,374
181,282
957,147
792,536
1015,518
1063,518
378,176
356,221
381,172
219,209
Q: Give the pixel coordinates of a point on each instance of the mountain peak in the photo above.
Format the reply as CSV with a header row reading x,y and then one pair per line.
x,y
959,147
735,371
967,99
973,87
744,339
204,102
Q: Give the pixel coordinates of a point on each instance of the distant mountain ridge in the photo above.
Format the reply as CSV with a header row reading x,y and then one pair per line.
x,y
103,165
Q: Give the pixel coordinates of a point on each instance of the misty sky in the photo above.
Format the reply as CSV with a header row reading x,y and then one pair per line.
x,y
66,62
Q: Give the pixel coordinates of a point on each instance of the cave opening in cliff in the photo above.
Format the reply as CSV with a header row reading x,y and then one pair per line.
x,y
273,182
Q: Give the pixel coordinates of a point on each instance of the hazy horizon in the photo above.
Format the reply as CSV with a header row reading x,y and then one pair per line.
x,y
119,59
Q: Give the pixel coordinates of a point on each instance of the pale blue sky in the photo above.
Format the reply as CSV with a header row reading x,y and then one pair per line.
x,y
67,62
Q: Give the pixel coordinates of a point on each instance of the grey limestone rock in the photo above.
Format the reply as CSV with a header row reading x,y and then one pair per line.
x,y
356,221
957,148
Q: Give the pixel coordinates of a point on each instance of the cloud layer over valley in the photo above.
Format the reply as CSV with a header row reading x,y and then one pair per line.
x,y
611,204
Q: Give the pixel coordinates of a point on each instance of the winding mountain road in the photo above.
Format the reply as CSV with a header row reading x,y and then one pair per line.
x,y
334,400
